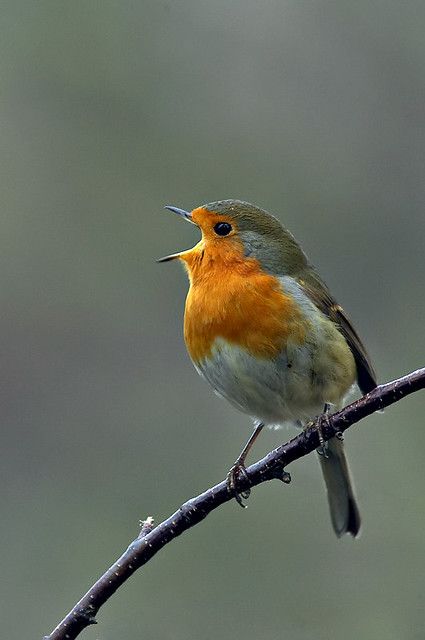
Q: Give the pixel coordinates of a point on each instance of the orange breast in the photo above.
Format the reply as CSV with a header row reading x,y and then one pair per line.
x,y
231,298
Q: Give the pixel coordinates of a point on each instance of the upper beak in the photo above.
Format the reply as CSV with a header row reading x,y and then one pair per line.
x,y
180,212
184,214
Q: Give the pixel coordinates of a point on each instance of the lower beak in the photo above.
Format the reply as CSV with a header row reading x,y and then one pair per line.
x,y
173,256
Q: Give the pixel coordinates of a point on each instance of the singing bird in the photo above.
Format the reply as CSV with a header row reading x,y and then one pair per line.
x,y
262,328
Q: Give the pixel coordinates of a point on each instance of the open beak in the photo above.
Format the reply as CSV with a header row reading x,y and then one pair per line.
x,y
187,216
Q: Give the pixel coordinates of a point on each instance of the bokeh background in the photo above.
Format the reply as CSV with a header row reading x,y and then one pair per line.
x,y
313,110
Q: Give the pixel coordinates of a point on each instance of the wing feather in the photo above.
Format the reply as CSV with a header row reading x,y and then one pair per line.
x,y
319,294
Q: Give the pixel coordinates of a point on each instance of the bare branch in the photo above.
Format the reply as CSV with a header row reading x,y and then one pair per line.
x,y
151,539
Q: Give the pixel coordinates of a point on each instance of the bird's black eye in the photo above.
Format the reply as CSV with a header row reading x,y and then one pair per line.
x,y
222,228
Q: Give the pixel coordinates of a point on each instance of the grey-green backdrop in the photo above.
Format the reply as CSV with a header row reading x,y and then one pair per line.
x,y
109,110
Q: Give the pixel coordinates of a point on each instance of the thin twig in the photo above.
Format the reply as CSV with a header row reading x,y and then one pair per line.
x,y
152,539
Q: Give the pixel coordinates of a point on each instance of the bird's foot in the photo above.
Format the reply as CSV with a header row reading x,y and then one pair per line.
x,y
322,420
236,472
323,450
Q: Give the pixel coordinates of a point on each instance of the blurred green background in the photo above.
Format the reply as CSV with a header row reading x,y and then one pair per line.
x,y
313,110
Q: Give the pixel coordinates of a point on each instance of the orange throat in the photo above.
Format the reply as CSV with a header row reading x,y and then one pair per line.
x,y
231,298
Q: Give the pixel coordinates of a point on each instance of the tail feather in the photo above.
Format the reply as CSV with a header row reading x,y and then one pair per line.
x,y
343,507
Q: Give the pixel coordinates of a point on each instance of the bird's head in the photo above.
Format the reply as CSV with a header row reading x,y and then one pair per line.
x,y
233,231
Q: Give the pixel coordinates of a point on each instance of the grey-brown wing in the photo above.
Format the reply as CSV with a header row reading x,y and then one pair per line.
x,y
319,294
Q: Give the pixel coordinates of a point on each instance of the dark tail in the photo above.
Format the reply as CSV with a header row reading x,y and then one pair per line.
x,y
342,501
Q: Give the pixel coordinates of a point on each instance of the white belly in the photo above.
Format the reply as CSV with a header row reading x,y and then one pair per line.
x,y
294,386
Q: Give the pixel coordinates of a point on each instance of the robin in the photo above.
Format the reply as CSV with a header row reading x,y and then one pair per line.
x,y
262,328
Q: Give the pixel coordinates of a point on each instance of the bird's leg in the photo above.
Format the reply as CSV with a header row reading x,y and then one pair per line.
x,y
323,449
238,469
